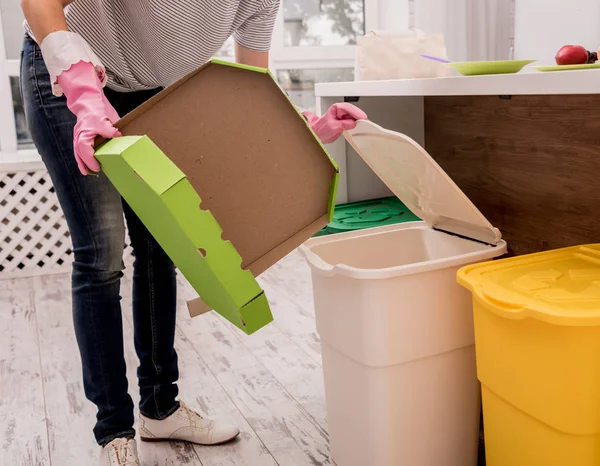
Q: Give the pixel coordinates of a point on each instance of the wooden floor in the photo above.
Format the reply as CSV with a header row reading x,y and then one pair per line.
x,y
270,384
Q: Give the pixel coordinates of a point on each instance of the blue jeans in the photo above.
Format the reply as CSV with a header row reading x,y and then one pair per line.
x,y
94,213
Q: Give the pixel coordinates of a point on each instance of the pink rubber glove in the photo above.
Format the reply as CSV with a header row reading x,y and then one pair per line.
x,y
95,115
339,118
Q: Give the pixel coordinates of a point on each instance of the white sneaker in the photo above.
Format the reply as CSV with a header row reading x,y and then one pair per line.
x,y
187,425
119,452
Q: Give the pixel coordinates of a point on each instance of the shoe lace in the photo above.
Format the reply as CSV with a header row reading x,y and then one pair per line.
x,y
192,415
125,453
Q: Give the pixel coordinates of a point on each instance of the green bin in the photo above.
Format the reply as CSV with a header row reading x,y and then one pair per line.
x,y
368,214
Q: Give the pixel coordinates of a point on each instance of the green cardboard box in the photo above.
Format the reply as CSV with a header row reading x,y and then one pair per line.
x,y
228,177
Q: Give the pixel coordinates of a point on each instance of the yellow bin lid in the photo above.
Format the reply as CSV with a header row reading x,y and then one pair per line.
x,y
561,287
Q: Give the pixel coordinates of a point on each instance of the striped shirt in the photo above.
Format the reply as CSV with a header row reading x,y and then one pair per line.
x,y
145,44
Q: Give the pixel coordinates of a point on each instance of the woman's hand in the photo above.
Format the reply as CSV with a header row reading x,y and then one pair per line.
x,y
339,118
77,72
82,87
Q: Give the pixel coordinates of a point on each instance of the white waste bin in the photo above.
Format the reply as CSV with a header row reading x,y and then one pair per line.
x,y
396,329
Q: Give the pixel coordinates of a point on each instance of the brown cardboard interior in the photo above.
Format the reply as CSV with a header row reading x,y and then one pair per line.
x,y
248,154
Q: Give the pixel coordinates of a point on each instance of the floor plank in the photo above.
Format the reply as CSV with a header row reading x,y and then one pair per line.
x,y
202,391
53,301
288,287
296,371
293,321
17,319
288,360
23,434
292,277
68,409
269,384
292,436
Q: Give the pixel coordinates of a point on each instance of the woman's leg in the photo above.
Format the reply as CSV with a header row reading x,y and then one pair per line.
x,y
154,311
154,302
94,214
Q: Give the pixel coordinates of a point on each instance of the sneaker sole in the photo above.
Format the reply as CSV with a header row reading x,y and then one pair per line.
x,y
153,440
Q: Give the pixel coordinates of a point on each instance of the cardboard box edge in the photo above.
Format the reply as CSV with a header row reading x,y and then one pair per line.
x,y
118,147
151,102
333,162
257,69
245,291
197,307
333,187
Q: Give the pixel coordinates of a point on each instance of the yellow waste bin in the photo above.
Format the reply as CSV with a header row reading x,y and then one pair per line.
x,y
537,340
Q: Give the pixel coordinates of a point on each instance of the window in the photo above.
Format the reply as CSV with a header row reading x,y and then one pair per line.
x,y
227,51
322,22
315,43
23,137
11,36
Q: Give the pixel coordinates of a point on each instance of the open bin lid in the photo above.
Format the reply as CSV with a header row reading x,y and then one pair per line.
x,y
418,181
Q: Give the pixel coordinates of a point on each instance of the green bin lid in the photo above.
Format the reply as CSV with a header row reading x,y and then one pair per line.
x,y
369,214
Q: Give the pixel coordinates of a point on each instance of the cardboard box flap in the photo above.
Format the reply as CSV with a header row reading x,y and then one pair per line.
x,y
160,176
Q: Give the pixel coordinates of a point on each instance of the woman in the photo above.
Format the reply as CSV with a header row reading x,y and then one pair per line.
x,y
135,48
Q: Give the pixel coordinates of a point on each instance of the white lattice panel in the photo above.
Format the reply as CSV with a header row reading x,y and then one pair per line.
x,y
34,238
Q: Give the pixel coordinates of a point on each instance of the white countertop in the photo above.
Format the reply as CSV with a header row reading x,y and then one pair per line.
x,y
524,83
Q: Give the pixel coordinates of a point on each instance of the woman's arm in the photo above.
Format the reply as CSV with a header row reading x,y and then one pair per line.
x,y
246,56
61,48
253,37
45,16
76,72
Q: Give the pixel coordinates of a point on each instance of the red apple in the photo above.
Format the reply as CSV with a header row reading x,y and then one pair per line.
x,y
574,55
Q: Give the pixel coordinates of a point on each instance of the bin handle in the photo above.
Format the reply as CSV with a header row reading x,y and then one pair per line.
x,y
503,307
324,267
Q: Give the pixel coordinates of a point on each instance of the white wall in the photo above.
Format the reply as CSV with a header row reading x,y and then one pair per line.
x,y
490,29
542,27
395,15
448,17
474,29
